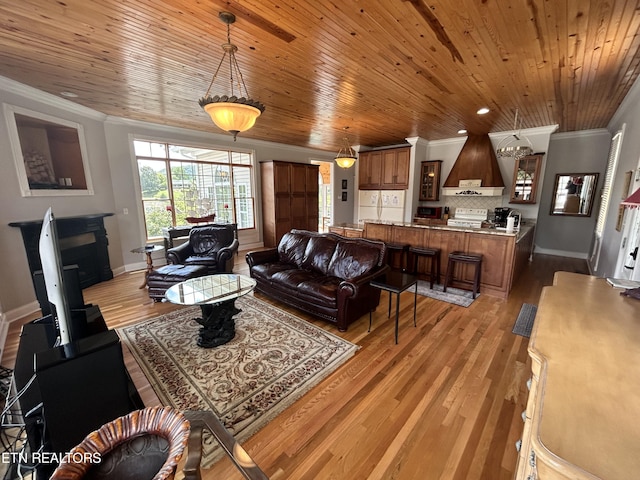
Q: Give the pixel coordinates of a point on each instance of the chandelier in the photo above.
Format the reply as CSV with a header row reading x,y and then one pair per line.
x,y
515,145
346,156
232,113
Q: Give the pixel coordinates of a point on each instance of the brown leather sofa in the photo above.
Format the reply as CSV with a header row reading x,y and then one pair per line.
x,y
324,274
212,246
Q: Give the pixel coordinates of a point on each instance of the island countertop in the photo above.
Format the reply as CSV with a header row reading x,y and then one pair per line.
x,y
504,254
525,228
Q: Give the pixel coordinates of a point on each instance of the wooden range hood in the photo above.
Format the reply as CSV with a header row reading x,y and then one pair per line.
x,y
477,160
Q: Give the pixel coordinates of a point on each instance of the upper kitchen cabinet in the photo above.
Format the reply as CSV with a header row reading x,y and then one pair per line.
x,y
370,170
384,169
430,181
525,179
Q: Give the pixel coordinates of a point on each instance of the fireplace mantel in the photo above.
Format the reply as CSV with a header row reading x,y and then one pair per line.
x,y
83,242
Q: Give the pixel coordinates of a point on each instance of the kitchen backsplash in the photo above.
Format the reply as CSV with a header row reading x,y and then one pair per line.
x,y
472,202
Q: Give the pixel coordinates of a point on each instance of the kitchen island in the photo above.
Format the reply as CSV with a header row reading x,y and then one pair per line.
x,y
504,254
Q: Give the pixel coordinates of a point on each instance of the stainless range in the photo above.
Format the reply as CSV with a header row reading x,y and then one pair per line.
x,y
469,217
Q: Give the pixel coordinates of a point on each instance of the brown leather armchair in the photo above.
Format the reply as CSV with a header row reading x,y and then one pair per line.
x,y
211,245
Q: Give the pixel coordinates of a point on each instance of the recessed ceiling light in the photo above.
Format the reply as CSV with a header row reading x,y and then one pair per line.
x,y
69,94
483,110
462,131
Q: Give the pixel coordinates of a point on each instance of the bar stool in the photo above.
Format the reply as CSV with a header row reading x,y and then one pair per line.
x,y
403,249
469,258
431,253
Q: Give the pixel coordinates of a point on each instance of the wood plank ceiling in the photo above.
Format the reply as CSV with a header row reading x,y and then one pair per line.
x,y
387,69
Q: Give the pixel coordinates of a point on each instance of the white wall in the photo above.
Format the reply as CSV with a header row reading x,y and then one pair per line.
x,y
573,152
629,115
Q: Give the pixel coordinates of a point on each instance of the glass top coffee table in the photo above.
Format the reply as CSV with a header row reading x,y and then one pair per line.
x,y
216,296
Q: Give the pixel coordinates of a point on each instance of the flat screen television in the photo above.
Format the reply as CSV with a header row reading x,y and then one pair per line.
x,y
52,270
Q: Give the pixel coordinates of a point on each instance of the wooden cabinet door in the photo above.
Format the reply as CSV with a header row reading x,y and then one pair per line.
x,y
497,261
403,157
283,217
389,158
525,179
430,181
395,169
298,178
370,170
281,178
377,231
363,170
447,241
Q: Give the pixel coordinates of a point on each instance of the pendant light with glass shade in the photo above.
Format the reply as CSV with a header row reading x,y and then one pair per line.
x,y
346,156
515,145
232,113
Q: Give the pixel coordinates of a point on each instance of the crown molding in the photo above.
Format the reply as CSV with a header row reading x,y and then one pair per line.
x,y
581,133
16,88
208,137
545,130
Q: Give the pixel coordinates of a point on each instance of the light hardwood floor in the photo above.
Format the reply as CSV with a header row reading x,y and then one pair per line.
x,y
445,403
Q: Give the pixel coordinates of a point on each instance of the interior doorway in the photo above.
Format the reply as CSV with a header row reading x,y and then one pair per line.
x,y
325,196
628,265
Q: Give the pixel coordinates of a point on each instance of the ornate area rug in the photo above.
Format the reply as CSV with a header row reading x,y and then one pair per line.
x,y
457,296
273,360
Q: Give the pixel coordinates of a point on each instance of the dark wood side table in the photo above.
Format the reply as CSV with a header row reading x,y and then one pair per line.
x,y
148,250
396,282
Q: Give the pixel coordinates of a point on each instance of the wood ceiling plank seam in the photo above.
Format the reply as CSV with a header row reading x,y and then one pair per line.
x,y
288,13
629,49
577,25
404,63
621,35
73,49
471,69
514,74
415,95
595,32
414,46
546,73
524,70
622,29
533,82
559,61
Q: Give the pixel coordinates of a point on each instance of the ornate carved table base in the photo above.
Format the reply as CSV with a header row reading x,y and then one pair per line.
x,y
218,325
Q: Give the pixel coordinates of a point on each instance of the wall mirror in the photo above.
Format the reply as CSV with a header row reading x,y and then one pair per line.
x,y
525,179
50,154
574,194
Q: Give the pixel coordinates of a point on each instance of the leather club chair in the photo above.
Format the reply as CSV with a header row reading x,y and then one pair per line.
x,y
212,246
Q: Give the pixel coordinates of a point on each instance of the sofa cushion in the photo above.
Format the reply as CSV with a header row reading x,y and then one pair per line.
x,y
292,247
292,278
318,254
352,259
266,271
320,290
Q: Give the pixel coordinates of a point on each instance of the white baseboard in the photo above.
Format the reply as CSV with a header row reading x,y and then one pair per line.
x,y
561,253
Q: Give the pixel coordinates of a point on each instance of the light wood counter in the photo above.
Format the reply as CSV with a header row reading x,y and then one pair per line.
x,y
584,403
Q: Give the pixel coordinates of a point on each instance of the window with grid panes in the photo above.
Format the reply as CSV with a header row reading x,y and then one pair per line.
x,y
178,181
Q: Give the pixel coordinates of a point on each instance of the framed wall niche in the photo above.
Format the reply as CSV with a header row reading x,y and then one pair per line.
x,y
49,153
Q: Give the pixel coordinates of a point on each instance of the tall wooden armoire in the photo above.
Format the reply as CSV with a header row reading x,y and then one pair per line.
x,y
289,198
